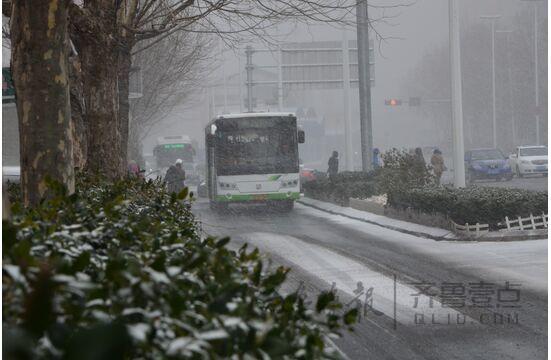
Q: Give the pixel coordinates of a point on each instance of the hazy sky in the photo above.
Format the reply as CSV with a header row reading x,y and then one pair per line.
x,y
411,31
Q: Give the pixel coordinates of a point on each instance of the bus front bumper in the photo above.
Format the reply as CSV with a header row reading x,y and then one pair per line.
x,y
258,197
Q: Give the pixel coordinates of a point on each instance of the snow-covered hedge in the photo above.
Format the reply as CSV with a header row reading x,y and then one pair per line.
x,y
342,187
121,271
401,170
486,205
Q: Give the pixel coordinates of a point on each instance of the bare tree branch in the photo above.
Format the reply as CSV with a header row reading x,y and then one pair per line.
x,y
172,70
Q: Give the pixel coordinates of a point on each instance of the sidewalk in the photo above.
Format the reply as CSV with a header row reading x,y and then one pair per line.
x,y
424,231
386,222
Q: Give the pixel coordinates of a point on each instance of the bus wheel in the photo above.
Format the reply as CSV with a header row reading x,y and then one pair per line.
x,y
286,205
290,205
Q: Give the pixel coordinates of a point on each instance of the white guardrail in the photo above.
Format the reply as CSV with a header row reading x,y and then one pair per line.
x,y
514,224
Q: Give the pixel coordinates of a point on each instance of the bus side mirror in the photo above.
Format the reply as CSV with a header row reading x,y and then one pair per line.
x,y
301,137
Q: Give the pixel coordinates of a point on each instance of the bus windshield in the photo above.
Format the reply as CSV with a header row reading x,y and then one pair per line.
x,y
167,154
257,148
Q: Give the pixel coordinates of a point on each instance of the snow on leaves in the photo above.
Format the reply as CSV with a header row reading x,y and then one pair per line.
x,y
123,266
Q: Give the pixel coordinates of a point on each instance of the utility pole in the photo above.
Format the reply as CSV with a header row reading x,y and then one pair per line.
x,y
280,79
456,97
224,80
240,82
213,95
536,72
493,19
209,102
249,67
349,157
366,133
510,80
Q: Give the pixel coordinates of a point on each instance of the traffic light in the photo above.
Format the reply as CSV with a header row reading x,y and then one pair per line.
x,y
393,102
414,101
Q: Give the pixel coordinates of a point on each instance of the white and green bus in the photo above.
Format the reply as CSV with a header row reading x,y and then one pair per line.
x,y
253,157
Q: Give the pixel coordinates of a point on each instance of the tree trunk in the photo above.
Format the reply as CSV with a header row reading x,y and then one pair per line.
x,y
79,130
135,145
99,59
41,78
125,62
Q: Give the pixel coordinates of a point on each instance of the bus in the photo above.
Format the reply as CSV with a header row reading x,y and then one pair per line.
x,y
253,158
171,148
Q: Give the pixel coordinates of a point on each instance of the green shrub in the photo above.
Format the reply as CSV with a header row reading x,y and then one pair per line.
x,y
13,191
474,204
402,170
409,184
342,187
121,271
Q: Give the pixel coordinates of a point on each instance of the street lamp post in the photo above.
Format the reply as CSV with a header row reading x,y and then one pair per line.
x,y
536,80
510,80
249,67
493,19
456,97
349,158
364,84
536,74
224,80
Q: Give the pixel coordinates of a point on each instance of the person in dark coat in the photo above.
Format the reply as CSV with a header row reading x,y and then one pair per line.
x,y
377,159
419,157
175,176
333,164
438,166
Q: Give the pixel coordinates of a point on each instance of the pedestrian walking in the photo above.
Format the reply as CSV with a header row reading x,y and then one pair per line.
x,y
175,177
133,169
333,164
377,159
418,154
438,166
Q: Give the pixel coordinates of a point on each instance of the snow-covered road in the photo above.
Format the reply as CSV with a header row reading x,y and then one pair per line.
x,y
415,291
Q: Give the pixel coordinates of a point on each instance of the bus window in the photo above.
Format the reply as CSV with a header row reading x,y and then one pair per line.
x,y
168,154
258,150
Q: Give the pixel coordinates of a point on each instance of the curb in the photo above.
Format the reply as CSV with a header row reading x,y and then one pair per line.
x,y
495,236
450,236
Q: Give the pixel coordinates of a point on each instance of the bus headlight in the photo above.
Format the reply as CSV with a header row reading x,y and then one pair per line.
x,y
289,183
227,186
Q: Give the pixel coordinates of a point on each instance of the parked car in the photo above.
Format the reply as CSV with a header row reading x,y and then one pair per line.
x,y
306,175
529,160
487,164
